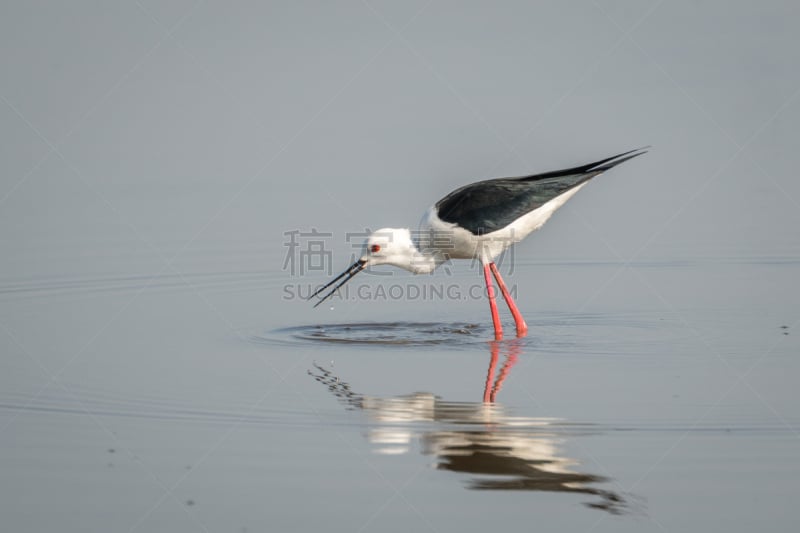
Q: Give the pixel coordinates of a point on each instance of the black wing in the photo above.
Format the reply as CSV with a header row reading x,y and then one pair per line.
x,y
490,205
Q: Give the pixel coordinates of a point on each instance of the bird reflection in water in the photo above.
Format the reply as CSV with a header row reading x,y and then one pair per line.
x,y
500,451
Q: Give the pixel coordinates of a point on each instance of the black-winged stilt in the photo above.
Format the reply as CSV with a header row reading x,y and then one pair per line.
x,y
478,221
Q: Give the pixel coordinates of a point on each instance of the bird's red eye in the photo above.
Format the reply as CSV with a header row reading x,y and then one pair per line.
x,y
375,248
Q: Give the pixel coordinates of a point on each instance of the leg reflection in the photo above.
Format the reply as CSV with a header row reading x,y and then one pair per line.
x,y
490,389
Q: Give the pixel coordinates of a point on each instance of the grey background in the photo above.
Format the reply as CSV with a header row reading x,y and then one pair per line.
x,y
154,153
276,116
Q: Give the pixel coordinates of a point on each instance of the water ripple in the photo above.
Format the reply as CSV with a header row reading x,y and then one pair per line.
x,y
410,334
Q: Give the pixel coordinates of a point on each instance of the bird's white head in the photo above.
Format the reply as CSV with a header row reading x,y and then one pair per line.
x,y
390,246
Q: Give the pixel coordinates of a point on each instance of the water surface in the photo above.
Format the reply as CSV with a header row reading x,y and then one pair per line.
x,y
178,417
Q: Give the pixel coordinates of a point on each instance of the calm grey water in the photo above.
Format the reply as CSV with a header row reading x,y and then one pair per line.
x,y
203,401
159,371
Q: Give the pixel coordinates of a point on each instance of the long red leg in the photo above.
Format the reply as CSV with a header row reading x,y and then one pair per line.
x,y
487,389
498,328
522,327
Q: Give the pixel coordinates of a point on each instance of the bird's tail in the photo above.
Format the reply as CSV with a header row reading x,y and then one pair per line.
x,y
611,162
592,168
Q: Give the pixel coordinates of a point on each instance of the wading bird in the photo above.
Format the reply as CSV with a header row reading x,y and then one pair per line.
x,y
478,221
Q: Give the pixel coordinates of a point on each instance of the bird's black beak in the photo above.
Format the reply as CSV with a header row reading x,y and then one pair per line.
x,y
348,274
